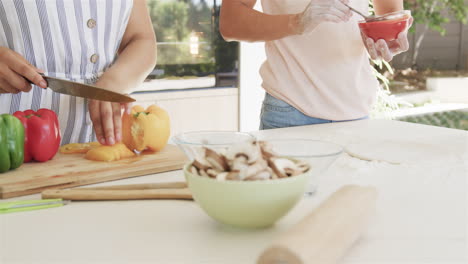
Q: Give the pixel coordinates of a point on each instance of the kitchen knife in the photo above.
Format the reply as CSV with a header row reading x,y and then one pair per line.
x,y
83,90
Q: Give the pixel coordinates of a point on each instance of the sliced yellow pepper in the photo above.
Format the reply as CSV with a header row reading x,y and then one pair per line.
x,y
109,153
73,148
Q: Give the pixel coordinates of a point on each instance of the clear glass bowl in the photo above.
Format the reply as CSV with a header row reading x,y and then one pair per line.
x,y
319,154
192,143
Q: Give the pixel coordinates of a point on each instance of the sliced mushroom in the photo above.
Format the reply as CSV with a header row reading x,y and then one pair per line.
x,y
266,149
250,150
272,173
239,163
203,173
255,168
212,173
250,161
233,176
292,172
282,167
303,166
222,176
201,164
274,176
216,160
194,170
278,172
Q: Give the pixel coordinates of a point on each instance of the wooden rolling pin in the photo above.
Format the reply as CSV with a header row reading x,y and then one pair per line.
x,y
142,186
171,190
323,236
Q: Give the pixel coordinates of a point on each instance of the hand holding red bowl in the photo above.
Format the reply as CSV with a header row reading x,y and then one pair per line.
x,y
386,36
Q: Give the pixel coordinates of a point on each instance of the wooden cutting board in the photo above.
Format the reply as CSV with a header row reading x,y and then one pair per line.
x,y
70,170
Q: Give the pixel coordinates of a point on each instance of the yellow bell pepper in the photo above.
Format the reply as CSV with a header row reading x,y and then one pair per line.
x,y
146,129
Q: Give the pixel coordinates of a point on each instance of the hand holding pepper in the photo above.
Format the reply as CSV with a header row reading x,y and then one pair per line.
x,y
107,120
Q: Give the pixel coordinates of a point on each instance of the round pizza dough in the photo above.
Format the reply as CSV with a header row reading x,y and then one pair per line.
x,y
398,152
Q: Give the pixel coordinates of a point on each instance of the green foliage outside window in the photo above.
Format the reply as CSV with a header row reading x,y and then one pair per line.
x,y
175,23
434,14
431,14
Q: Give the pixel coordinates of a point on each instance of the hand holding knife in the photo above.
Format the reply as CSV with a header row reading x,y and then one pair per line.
x,y
84,90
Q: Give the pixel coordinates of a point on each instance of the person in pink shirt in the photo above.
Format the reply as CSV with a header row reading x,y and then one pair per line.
x,y
317,68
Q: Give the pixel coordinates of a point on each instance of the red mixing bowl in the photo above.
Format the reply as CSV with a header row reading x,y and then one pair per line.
x,y
386,27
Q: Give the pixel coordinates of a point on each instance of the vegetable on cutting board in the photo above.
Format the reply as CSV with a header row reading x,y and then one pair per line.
x,y
146,129
42,134
11,143
109,153
142,130
74,148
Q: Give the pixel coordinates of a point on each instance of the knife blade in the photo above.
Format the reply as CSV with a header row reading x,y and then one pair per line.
x,y
83,90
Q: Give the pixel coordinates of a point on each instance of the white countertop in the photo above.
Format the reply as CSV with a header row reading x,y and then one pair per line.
x,y
421,212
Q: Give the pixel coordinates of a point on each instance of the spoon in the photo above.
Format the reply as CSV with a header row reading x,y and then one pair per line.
x,y
361,14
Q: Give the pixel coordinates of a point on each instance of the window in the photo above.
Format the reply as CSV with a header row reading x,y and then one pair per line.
x,y
191,51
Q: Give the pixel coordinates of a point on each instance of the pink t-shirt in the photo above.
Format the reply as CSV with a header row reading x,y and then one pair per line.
x,y
325,74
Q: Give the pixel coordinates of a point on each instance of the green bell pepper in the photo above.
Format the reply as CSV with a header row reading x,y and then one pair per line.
x,y
11,143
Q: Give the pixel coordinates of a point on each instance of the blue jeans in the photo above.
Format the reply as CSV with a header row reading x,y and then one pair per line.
x,y
277,114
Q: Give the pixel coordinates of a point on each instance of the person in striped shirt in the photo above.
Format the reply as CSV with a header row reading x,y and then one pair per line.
x,y
108,43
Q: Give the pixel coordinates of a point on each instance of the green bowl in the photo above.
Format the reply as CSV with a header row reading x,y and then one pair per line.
x,y
246,204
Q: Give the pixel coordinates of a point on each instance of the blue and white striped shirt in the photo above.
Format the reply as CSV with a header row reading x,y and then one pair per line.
x,y
71,39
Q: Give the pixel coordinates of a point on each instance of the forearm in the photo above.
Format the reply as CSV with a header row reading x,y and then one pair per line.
x,y
243,23
386,6
132,66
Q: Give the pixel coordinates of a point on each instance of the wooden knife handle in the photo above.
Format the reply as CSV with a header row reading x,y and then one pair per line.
x,y
324,235
96,195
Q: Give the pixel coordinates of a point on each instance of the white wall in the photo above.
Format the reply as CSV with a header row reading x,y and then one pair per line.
x,y
251,94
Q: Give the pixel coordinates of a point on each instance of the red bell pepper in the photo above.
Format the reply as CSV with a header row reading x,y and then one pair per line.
x,y
42,134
